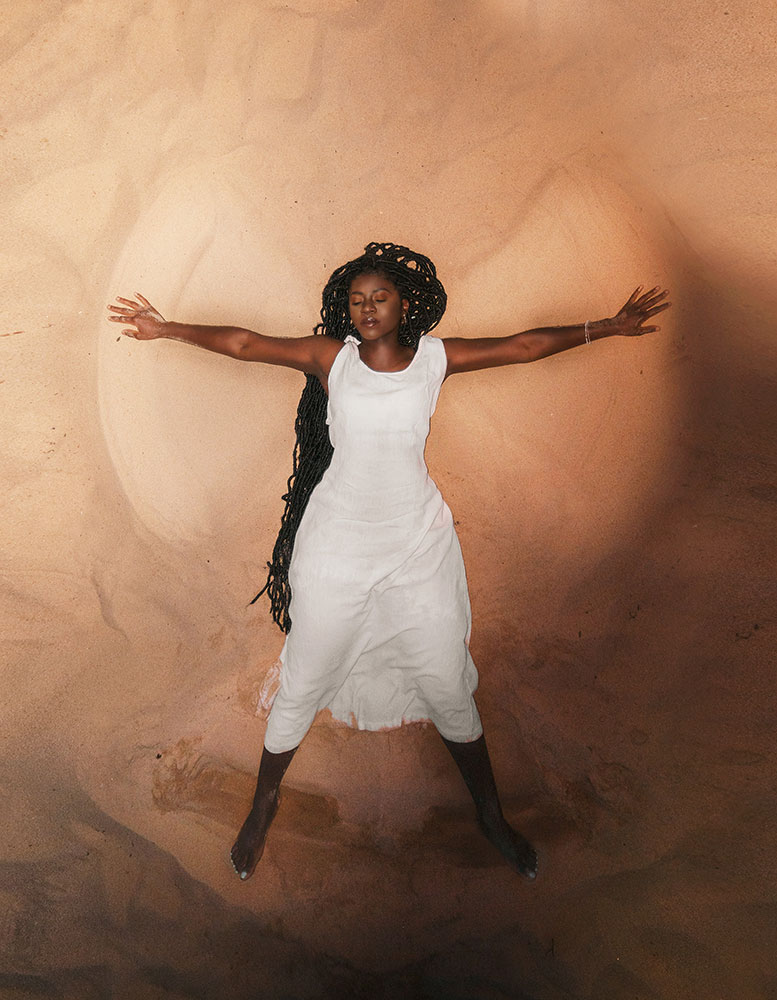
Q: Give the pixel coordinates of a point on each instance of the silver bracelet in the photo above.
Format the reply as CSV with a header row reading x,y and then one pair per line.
x,y
587,334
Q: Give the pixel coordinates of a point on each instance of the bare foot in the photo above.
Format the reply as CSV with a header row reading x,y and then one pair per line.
x,y
247,850
513,846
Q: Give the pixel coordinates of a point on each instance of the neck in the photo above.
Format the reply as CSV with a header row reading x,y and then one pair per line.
x,y
381,355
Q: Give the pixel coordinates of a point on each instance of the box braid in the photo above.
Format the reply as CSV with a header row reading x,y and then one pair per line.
x,y
415,278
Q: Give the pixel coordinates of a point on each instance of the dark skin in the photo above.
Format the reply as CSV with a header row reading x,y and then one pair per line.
x,y
377,311
374,297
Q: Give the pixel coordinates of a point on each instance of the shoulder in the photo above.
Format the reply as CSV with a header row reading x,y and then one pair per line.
x,y
433,344
329,346
327,349
434,349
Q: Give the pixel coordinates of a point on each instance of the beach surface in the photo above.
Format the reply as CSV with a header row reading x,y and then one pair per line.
x,y
616,504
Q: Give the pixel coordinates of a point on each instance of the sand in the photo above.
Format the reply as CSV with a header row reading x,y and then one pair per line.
x,y
616,505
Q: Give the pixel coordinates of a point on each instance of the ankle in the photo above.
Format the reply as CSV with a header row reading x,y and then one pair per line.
x,y
490,814
265,800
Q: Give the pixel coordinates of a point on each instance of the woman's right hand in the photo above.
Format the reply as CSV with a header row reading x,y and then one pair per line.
x,y
147,323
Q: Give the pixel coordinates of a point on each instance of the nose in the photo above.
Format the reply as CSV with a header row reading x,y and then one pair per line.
x,y
368,307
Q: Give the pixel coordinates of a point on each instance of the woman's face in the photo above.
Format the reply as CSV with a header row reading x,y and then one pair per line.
x,y
375,306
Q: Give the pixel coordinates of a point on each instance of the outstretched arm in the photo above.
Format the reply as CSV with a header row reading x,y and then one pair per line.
x,y
313,355
466,355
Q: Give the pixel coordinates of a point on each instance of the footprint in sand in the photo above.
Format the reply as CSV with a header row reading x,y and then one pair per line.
x,y
187,779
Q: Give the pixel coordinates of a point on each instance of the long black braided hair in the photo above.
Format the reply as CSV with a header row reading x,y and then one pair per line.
x,y
415,278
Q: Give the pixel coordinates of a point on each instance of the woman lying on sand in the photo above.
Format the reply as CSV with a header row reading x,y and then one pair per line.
x,y
367,577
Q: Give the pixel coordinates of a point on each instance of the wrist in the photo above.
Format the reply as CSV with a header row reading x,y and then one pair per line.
x,y
598,329
171,330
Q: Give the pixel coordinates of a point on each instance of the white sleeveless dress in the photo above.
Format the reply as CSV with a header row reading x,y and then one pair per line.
x,y
380,611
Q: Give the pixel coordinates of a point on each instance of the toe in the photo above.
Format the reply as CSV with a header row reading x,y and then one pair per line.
x,y
243,860
531,865
238,862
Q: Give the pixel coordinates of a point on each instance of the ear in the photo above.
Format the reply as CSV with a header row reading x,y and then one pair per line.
x,y
405,307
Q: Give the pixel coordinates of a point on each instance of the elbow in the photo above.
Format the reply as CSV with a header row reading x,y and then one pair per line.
x,y
241,344
526,349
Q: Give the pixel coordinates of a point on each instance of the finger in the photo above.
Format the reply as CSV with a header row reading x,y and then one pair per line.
x,y
130,333
145,302
646,297
633,297
128,302
651,299
122,309
657,309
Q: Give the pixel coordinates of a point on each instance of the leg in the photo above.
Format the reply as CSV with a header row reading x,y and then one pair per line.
x,y
475,765
249,846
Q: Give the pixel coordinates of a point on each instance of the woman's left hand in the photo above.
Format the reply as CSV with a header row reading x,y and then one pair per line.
x,y
629,322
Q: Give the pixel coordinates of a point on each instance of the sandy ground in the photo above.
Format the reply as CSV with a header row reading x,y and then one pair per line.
x,y
616,505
